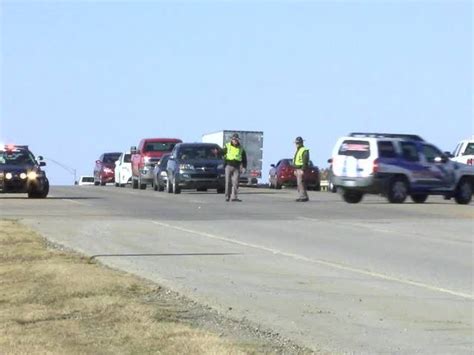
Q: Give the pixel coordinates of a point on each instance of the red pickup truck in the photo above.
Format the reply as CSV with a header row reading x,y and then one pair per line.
x,y
145,157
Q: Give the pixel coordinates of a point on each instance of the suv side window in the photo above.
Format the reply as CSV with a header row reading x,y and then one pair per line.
x,y
409,151
431,153
386,149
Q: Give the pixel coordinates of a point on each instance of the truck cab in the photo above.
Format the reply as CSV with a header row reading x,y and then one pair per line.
x,y
146,156
464,152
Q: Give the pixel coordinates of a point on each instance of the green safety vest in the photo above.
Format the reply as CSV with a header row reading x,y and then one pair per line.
x,y
233,153
298,160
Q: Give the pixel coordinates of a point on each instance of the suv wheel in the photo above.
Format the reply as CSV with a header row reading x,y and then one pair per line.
x,y
397,190
352,196
463,194
134,184
419,198
220,190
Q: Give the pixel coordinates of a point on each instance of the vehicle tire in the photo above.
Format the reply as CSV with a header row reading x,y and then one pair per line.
x,y
277,185
134,183
463,193
397,190
419,198
102,183
176,188
117,184
40,194
220,190
352,196
317,187
161,187
202,189
169,186
96,182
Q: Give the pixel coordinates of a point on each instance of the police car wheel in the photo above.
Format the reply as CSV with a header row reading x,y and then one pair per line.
x,y
397,191
463,194
352,196
419,198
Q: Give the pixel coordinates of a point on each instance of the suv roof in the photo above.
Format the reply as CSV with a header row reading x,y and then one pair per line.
x,y
412,137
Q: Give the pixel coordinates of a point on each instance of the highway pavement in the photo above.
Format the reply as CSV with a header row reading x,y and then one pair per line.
x,y
367,278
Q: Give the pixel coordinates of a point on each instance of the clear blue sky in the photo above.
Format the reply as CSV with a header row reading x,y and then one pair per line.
x,y
79,78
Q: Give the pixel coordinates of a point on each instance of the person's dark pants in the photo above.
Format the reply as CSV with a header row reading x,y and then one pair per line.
x,y
232,176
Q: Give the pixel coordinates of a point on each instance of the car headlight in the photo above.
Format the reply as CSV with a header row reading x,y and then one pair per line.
x,y
163,173
23,176
186,167
32,175
8,176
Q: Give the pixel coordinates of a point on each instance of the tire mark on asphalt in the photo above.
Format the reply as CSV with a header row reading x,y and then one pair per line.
x,y
330,264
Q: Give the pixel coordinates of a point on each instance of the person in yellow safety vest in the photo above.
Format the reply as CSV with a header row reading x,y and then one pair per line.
x,y
300,162
235,162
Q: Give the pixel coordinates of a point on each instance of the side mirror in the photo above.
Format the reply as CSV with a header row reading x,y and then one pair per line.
x,y
330,160
442,159
272,165
133,150
42,163
40,157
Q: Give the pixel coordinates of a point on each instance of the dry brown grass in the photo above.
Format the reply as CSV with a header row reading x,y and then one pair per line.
x,y
53,302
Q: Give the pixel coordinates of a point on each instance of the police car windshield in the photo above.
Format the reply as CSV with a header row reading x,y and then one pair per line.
x,y
16,157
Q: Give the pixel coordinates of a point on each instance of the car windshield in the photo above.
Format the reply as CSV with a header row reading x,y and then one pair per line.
x,y
16,157
200,152
355,148
159,147
469,149
126,158
111,158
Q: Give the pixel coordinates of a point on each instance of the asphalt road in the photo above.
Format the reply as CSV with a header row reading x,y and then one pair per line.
x,y
367,278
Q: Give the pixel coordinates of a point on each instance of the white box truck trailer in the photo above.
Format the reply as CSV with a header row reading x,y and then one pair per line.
x,y
252,141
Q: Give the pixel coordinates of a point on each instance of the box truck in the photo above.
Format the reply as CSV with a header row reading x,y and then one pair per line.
x,y
252,142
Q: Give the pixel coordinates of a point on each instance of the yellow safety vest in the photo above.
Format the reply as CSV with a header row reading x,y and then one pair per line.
x,y
298,160
233,153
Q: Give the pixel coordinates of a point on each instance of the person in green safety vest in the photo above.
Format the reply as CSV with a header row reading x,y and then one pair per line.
x,y
300,162
235,161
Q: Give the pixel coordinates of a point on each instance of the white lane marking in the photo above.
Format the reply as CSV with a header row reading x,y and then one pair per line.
x,y
321,262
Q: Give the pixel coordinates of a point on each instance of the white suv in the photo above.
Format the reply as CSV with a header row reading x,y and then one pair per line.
x,y
123,170
397,166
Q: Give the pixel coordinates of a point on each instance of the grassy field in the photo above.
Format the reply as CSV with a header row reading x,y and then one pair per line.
x,y
57,302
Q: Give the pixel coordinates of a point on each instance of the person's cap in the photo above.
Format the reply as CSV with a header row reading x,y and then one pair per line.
x,y
235,136
299,140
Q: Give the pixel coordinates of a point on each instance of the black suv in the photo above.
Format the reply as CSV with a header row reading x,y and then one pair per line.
x,y
20,172
197,166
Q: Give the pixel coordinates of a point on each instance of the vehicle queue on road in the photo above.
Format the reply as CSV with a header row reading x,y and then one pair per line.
x,y
396,166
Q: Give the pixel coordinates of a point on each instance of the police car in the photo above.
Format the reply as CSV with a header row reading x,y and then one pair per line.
x,y
20,172
397,166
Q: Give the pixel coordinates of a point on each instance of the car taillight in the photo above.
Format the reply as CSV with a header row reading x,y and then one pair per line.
x,y
375,167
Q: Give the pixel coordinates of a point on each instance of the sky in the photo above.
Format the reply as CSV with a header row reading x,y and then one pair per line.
x,y
80,78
